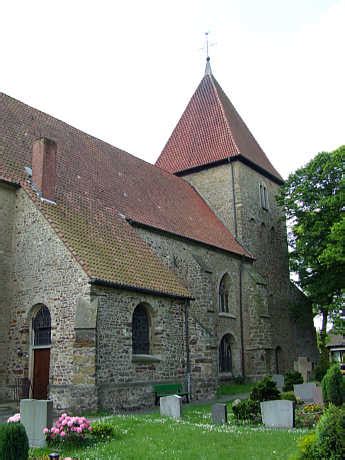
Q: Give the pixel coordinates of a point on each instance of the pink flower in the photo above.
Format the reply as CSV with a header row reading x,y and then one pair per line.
x,y
14,419
45,430
62,434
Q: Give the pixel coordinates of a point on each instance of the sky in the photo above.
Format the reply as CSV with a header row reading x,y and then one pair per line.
x,y
124,71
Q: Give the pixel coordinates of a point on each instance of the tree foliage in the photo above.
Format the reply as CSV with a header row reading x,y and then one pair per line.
x,y
313,198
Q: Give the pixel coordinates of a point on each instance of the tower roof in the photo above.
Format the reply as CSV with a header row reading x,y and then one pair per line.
x,y
211,131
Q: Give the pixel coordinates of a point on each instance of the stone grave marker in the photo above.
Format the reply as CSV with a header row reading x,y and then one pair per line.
x,y
279,379
219,414
36,415
305,391
278,414
318,396
171,406
303,365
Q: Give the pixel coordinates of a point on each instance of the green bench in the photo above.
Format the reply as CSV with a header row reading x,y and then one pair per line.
x,y
167,389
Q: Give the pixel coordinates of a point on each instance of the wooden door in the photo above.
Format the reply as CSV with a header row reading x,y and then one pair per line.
x,y
41,373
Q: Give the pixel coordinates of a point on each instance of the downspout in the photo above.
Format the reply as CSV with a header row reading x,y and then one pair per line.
x,y
240,269
241,319
234,197
188,365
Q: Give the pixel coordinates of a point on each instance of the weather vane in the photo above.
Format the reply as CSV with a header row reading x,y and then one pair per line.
x,y
207,45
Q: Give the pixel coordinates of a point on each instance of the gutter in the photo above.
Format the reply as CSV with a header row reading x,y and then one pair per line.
x,y
128,287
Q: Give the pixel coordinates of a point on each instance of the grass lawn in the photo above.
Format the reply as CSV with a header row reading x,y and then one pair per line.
x,y
194,437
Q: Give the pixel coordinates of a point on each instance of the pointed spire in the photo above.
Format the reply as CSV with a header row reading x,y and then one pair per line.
x,y
208,70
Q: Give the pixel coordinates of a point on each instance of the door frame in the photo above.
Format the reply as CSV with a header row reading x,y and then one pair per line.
x,y
33,347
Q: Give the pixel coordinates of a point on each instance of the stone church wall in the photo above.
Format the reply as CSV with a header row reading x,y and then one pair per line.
x,y
7,211
124,379
201,269
44,273
270,327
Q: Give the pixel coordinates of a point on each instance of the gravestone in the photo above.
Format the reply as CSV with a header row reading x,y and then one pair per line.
x,y
219,414
279,379
318,396
305,391
36,415
278,414
303,365
171,406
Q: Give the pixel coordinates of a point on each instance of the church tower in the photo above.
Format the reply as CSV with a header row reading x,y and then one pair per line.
x,y
212,148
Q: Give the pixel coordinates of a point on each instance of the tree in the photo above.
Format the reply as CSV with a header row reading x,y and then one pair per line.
x,y
313,198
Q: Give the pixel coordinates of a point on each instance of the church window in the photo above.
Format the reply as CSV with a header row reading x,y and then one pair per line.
x,y
41,327
141,331
263,196
224,288
225,356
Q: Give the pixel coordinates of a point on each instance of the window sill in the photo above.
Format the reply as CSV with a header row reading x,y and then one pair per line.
x,y
224,314
146,359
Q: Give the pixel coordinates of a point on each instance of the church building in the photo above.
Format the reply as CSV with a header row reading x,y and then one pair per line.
x,y
116,274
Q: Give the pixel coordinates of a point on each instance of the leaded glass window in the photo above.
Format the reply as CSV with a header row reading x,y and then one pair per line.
x,y
225,356
41,327
140,331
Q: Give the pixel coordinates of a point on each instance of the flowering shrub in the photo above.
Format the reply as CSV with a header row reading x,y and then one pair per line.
x,y
68,428
14,419
308,415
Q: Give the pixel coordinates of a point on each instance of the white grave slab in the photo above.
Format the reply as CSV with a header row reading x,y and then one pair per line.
x,y
278,414
171,406
305,391
36,415
279,379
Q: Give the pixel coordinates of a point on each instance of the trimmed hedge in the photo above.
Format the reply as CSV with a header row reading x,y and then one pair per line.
x,y
265,390
290,379
247,410
333,387
14,444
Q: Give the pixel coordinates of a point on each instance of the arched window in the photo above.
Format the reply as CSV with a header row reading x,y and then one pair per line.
x,y
224,288
140,331
41,327
225,356
278,359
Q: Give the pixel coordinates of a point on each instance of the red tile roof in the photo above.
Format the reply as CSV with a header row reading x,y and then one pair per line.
x,y
99,189
211,130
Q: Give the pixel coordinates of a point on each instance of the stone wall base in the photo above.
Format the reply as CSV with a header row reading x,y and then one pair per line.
x,y
74,398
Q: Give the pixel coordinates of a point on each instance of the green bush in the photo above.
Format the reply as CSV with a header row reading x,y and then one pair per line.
x,y
333,387
290,379
265,390
247,410
289,395
308,449
321,369
14,444
330,434
103,431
